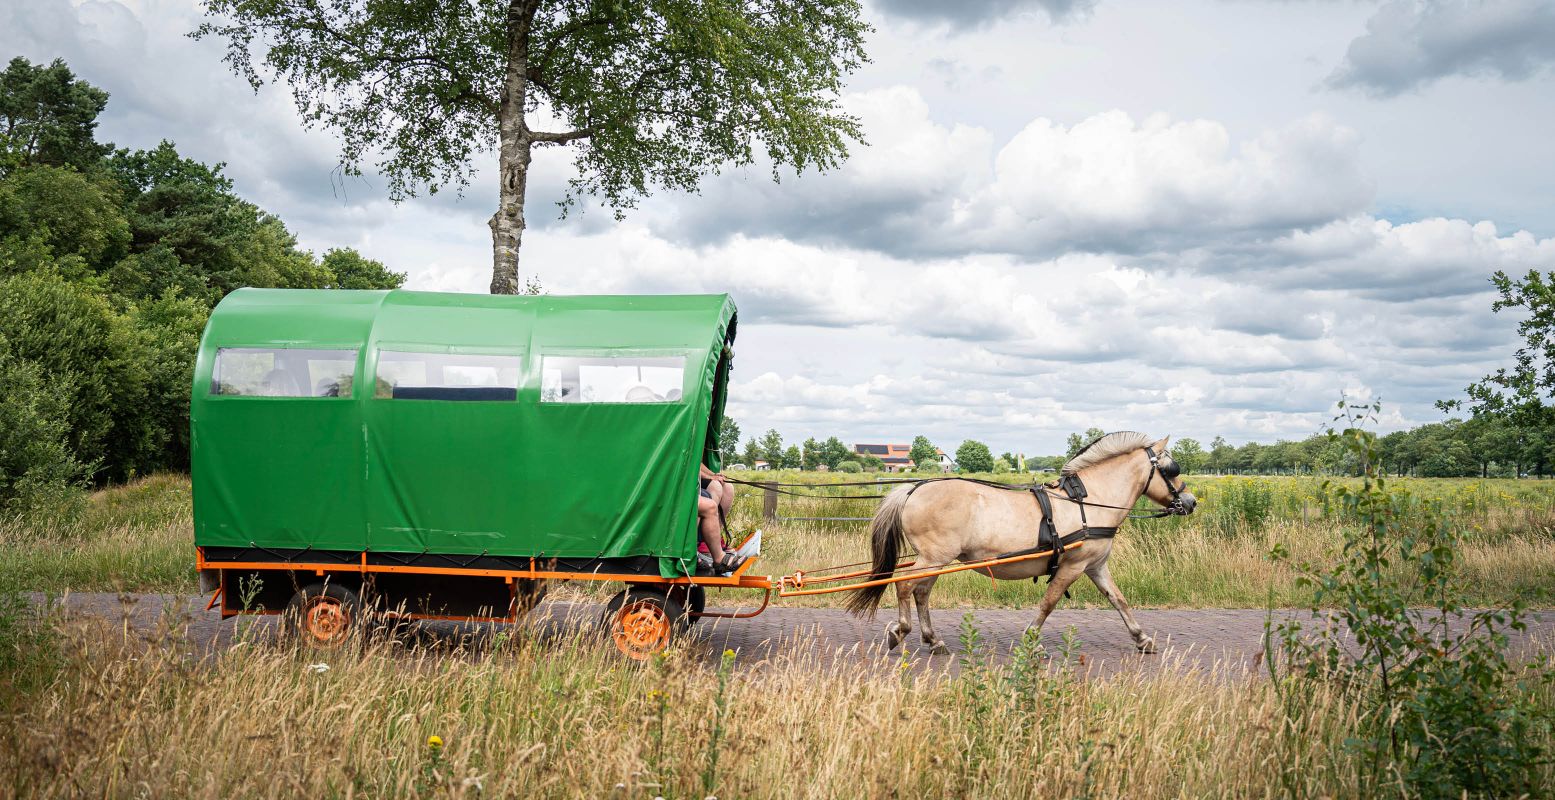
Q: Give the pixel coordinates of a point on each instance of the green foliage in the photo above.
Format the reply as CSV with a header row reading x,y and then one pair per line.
x,y
752,454
1188,454
109,265
70,217
728,441
348,269
870,462
1078,441
924,453
48,117
974,456
656,92
72,333
37,465
1445,715
849,466
810,454
791,458
772,448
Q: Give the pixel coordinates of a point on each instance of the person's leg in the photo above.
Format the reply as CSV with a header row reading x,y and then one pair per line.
x,y
708,527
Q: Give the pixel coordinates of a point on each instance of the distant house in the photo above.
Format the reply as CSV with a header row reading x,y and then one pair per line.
x,y
761,465
896,458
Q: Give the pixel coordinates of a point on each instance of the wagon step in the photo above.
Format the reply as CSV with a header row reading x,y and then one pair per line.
x,y
793,585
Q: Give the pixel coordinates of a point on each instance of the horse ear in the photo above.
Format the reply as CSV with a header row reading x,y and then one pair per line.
x,y
1160,447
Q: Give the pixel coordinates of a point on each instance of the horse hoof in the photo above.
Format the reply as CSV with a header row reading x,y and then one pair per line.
x,y
1147,646
893,636
939,649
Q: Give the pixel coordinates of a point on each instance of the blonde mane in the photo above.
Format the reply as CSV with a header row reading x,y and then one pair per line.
x,y
1113,444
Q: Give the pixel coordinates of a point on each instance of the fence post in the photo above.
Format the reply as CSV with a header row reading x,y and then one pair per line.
x,y
769,501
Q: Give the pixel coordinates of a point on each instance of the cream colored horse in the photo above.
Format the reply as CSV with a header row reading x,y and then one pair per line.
x,y
952,520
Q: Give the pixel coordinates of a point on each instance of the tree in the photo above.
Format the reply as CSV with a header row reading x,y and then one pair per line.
x,y
1521,394
348,269
752,453
48,117
792,458
648,92
772,447
811,454
834,452
974,456
923,452
1079,441
870,462
1188,454
729,441
1220,454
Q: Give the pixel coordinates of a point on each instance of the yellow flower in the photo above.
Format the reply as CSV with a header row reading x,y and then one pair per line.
x,y
435,742
728,654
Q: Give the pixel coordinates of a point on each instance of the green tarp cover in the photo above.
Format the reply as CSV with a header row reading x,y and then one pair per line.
x,y
419,422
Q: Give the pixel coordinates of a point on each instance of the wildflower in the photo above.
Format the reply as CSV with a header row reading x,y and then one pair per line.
x,y
435,742
319,668
728,654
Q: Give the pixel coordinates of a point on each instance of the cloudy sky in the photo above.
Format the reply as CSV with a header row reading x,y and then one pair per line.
x,y
1195,218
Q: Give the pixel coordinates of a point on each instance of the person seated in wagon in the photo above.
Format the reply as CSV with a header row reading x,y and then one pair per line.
x,y
714,500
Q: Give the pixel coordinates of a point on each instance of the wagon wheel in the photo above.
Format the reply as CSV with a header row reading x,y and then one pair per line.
x,y
323,615
641,622
692,598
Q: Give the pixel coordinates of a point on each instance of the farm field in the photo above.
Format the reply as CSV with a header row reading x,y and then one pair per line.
x,y
524,713
138,538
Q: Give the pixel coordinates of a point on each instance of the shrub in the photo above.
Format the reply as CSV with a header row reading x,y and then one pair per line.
x,y
93,355
849,466
37,469
1445,716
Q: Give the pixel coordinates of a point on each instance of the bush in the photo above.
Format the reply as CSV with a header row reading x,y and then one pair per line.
x,y
37,469
849,466
1446,715
96,360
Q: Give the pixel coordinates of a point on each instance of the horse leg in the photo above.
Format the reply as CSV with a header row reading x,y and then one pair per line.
x,y
1103,580
1069,571
896,631
920,594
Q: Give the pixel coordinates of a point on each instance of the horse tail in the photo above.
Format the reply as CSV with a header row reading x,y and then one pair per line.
x,y
886,540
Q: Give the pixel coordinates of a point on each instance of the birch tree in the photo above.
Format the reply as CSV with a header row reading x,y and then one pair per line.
x,y
646,93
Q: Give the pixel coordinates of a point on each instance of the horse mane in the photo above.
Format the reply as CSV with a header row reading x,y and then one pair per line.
x,y
1105,447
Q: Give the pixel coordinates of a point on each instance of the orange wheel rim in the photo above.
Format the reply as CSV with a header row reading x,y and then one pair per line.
x,y
641,629
325,620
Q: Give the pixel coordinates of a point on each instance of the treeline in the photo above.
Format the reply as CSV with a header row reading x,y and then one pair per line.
x,y
110,261
1484,446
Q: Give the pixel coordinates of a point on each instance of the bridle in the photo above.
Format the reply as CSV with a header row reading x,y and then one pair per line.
x,y
1168,472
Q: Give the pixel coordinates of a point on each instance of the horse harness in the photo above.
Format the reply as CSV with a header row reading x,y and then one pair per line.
x,y
1074,491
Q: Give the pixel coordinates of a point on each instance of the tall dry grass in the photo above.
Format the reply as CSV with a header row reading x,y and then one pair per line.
x,y
565,718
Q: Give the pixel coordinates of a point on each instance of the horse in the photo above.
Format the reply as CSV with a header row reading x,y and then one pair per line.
x,y
961,520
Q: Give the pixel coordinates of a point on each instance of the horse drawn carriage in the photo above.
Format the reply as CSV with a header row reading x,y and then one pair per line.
x,y
442,456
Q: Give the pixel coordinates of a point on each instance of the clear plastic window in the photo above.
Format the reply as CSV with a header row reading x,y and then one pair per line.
x,y
282,372
447,376
606,379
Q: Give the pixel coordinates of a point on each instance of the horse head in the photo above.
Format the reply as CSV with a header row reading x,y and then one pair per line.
x,y
1164,484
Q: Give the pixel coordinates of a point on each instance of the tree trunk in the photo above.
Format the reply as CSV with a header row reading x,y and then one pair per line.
x,y
514,143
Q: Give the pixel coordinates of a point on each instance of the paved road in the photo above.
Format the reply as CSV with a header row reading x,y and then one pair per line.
x,y
1222,641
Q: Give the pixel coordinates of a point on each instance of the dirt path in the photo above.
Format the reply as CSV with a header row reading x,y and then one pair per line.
x,y
1224,641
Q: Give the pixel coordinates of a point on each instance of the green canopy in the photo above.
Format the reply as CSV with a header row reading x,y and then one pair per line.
x,y
461,424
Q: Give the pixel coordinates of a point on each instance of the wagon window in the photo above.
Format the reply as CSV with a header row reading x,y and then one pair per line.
x,y
282,372
603,379
447,376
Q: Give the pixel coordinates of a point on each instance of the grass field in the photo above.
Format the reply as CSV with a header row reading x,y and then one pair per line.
x,y
568,719
139,538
